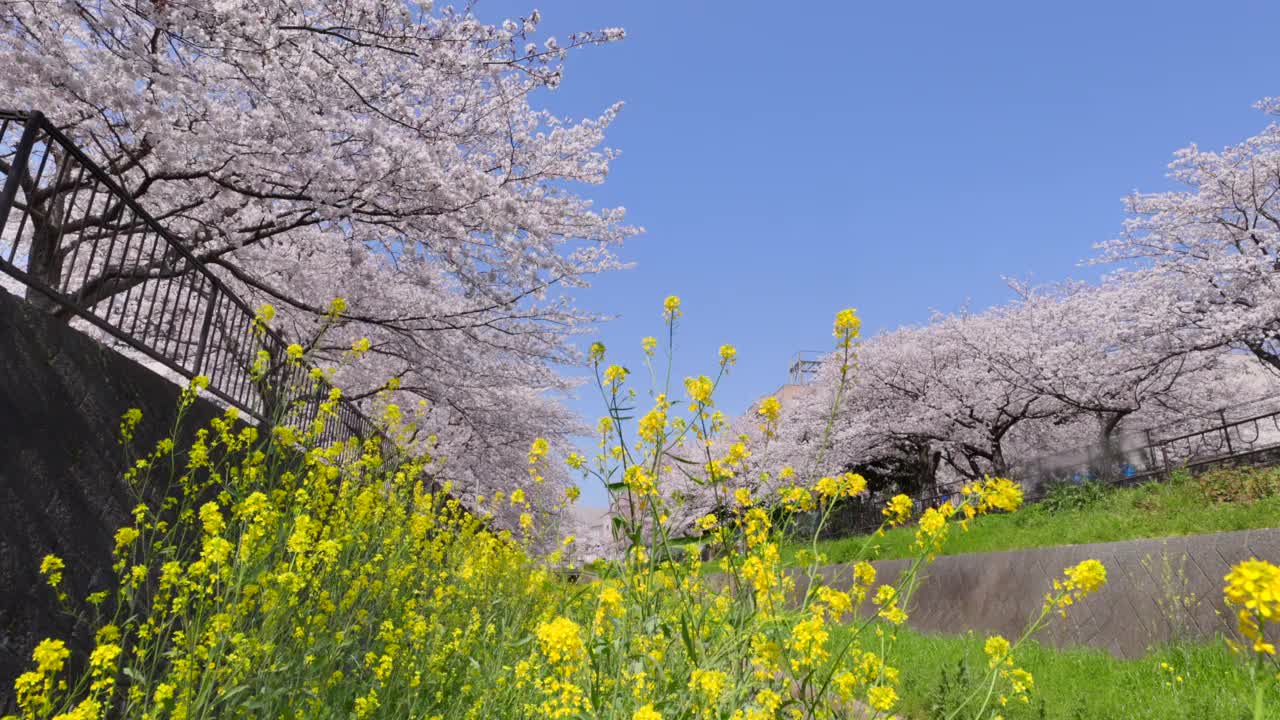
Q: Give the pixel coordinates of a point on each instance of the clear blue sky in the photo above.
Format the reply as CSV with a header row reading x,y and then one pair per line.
x,y
788,160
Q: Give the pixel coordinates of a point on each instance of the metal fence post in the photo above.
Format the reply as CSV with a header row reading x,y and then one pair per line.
x,y
204,330
22,153
1226,431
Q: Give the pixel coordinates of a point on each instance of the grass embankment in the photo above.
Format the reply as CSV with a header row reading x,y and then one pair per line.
x,y
941,670
1218,501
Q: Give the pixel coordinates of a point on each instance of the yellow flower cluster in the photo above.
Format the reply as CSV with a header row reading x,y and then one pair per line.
x,y
770,411
614,377
882,697
728,355
991,494
537,453
847,327
1253,587
797,499
898,510
699,390
653,425
1000,659
846,485
128,423
51,567
671,308
640,482
1084,578
560,641
931,533
596,353
708,687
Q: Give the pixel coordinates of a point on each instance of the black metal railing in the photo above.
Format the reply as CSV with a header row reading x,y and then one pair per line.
x,y
84,248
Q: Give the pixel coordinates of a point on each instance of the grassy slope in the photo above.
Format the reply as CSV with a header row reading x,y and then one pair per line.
x,y
1084,683
1153,510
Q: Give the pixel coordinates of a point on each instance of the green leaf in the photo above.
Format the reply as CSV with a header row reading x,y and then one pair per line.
x,y
677,458
688,638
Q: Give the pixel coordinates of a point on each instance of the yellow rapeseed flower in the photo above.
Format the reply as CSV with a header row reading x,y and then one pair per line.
x,y
614,376
211,518
699,390
646,713
997,650
1253,586
847,326
50,656
898,509
128,422
596,353
51,567
709,684
770,409
728,355
882,698
1089,576
561,641
671,307
639,481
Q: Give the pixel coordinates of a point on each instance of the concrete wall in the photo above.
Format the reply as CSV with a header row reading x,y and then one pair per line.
x,y
61,398
1157,590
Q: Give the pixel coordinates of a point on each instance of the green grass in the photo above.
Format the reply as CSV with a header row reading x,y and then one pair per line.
x,y
1183,506
1082,683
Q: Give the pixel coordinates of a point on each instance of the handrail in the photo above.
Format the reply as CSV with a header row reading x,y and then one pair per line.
x,y
198,310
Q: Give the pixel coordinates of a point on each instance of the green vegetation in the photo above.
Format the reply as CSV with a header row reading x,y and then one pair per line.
x,y
938,671
1217,501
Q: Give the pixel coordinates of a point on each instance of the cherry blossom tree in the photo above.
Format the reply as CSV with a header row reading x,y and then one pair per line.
x,y
1213,245
384,151
1099,351
942,383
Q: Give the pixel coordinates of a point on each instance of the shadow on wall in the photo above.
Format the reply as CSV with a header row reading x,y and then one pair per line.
x,y
62,395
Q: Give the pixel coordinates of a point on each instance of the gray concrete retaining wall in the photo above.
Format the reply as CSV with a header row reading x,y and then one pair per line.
x,y
61,398
1157,590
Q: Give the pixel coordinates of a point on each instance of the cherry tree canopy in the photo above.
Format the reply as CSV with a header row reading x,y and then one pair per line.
x,y
1102,351
1213,245
383,151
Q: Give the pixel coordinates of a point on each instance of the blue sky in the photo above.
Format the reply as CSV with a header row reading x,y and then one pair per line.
x,y
789,160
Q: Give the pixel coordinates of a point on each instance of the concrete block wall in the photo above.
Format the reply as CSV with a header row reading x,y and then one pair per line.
x,y
1157,590
61,397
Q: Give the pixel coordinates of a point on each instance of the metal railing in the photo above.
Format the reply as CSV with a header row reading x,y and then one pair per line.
x,y
84,248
